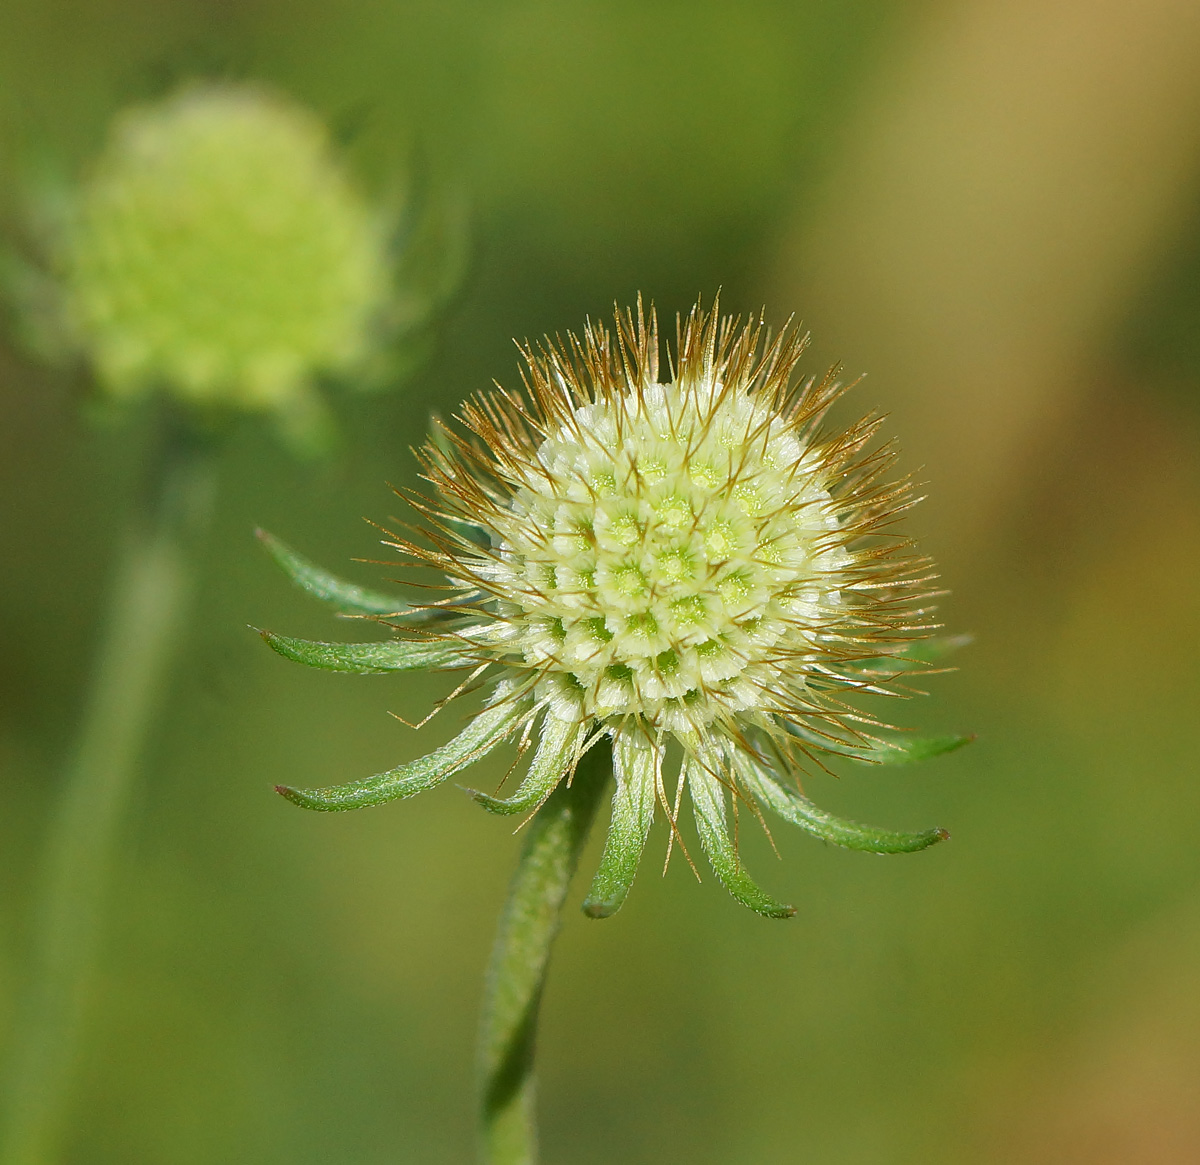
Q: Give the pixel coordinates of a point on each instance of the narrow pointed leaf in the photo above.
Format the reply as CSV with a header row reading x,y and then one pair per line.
x,y
917,655
902,750
708,802
909,750
370,658
555,752
798,809
483,734
632,814
346,596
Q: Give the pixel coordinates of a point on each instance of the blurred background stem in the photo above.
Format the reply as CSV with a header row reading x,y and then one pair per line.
x,y
148,601
517,971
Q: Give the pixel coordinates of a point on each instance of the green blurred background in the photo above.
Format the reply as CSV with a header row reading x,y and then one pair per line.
x,y
993,206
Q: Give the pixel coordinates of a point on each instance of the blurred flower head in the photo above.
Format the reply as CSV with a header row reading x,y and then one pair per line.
x,y
690,567
218,251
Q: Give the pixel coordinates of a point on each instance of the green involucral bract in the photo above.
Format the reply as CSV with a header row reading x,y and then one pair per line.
x,y
633,802
691,566
345,597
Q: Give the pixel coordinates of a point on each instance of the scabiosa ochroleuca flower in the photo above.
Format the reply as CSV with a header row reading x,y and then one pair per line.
x,y
219,250
687,566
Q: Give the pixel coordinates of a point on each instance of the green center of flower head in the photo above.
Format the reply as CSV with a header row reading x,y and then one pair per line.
x,y
673,553
219,251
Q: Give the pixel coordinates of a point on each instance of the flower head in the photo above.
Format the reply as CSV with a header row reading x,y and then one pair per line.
x,y
687,567
219,251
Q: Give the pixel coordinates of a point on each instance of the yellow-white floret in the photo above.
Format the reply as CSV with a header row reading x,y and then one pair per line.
x,y
669,555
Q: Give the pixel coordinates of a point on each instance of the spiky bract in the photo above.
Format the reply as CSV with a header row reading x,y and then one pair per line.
x,y
688,566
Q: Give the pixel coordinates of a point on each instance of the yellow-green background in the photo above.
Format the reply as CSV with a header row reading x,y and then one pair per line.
x,y
991,206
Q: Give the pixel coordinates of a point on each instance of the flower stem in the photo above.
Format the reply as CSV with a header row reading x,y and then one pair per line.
x,y
149,597
517,971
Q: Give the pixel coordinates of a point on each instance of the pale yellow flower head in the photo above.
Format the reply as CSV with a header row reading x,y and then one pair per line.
x,y
690,570
219,252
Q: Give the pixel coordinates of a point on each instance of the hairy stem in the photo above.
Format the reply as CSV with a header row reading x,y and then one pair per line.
x,y
517,972
148,599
